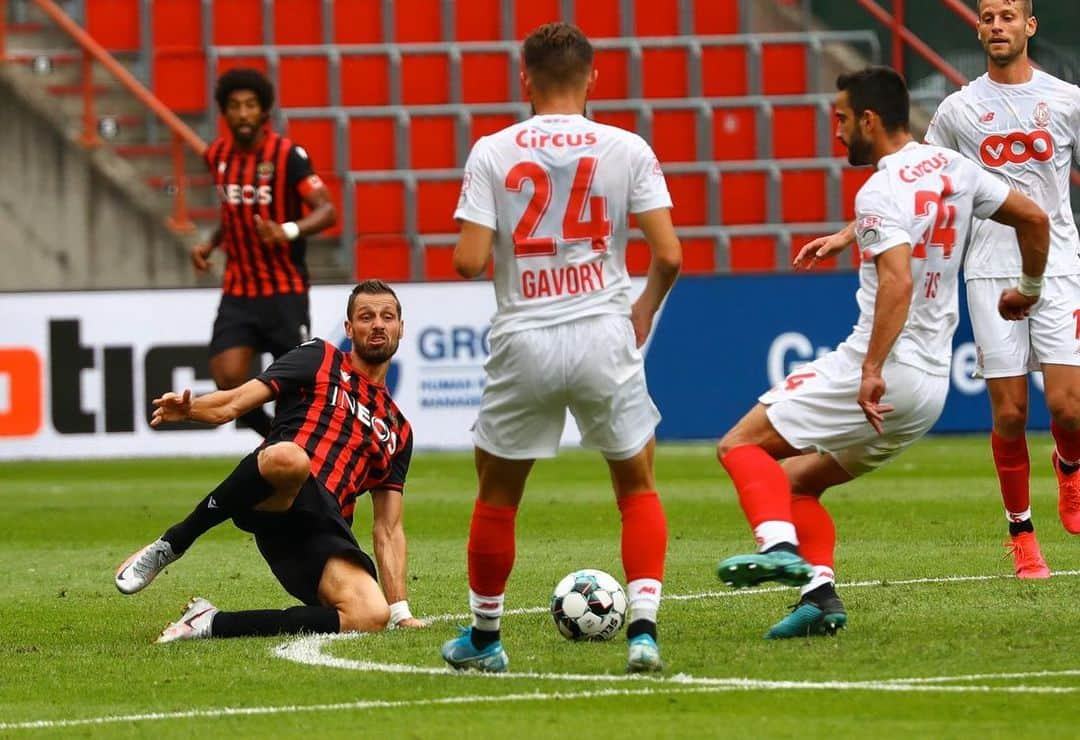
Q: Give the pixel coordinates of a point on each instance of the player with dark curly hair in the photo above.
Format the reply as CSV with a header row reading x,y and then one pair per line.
x,y
263,181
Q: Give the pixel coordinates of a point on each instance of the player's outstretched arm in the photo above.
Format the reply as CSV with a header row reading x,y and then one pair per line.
x,y
1033,235
890,314
391,555
473,249
824,247
215,408
664,266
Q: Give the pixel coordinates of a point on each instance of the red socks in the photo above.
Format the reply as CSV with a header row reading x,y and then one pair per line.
x,y
1013,470
816,531
763,488
1067,441
644,536
491,548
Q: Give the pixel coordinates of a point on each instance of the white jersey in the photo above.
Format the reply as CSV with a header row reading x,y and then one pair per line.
x,y
1028,136
924,196
557,190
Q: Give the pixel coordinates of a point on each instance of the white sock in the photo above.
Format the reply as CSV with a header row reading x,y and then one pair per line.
x,y
486,610
644,596
775,532
822,575
1023,516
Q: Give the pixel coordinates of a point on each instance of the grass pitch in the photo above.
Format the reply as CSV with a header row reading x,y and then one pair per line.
x,y
930,650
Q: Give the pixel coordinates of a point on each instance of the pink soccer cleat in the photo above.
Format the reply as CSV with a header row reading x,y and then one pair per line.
x,y
1068,496
1027,558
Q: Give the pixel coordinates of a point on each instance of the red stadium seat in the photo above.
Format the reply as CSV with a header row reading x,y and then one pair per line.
x,y
115,24
298,22
238,23
417,21
435,204
365,80
372,144
752,254
425,79
699,257
478,20
317,136
656,19
783,69
624,119
851,179
794,132
637,257
528,14
689,195
716,16
432,142
613,80
439,262
485,77
734,134
743,198
358,21
598,18
173,72
723,71
674,135
803,196
664,73
173,23
303,82
386,257
254,62
488,123
380,208
333,184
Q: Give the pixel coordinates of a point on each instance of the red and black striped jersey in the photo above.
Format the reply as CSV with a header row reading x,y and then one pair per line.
x,y
271,182
356,437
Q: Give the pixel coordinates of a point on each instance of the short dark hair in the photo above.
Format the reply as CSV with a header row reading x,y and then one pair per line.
x,y
881,90
557,55
243,78
371,287
1028,6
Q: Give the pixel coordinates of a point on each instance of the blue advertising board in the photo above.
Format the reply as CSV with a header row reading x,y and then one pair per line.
x,y
722,341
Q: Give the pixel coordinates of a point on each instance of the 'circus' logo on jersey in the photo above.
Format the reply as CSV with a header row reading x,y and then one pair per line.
x,y
913,173
1018,147
1041,115
531,139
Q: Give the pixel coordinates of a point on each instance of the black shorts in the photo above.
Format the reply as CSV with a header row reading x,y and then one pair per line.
x,y
297,543
273,324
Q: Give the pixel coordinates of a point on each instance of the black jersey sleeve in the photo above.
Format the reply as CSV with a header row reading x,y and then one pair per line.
x,y
296,368
399,467
298,168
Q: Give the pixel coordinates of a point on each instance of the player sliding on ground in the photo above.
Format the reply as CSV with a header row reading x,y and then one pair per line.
x,y
856,408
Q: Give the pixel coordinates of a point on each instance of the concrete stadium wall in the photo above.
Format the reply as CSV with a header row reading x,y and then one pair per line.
x,y
73,219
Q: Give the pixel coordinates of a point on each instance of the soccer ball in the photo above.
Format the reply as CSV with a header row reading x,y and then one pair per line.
x,y
588,605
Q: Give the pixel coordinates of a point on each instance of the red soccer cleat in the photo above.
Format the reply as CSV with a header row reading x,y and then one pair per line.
x,y
1068,496
1027,558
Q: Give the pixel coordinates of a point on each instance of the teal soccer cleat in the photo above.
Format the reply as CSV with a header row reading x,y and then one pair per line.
x,y
462,655
781,566
815,614
644,655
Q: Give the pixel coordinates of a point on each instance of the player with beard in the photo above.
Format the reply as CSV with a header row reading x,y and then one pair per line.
x,y
336,434
856,408
263,181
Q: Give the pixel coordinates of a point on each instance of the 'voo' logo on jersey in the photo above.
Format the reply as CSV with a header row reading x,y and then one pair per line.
x,y
1016,148
375,424
247,195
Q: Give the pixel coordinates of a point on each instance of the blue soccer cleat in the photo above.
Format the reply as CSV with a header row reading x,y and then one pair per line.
x,y
462,655
644,655
780,566
813,615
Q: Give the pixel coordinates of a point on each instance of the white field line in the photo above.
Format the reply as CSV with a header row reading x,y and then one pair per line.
x,y
308,650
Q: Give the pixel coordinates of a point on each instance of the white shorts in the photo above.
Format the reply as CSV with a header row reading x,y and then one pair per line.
x,y
590,366
1050,335
815,408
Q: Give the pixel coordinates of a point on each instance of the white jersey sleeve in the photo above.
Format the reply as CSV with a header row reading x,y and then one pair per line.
x,y
477,200
988,192
942,128
649,188
879,225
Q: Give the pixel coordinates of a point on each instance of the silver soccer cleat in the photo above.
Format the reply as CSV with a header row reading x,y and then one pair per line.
x,y
137,571
194,623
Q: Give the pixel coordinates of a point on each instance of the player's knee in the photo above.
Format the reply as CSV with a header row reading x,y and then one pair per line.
x,y
1010,419
729,442
1064,406
284,461
356,616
